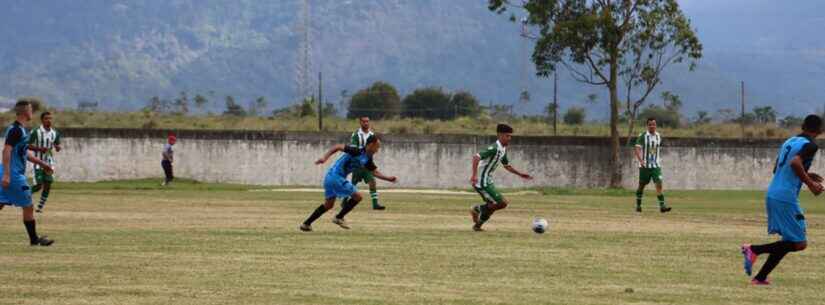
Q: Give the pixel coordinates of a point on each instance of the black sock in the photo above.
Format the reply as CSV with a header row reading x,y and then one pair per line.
x,y
486,211
776,247
30,228
346,207
772,262
320,210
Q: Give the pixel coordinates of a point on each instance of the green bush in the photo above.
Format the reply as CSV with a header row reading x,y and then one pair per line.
x,y
378,101
574,116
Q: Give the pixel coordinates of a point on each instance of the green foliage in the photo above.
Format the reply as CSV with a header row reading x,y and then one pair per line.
x,y
201,101
702,117
181,105
378,101
465,104
764,114
664,116
791,122
233,108
37,103
257,106
428,103
575,116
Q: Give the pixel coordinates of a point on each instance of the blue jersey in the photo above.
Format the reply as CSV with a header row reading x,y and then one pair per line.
x,y
353,158
786,184
18,138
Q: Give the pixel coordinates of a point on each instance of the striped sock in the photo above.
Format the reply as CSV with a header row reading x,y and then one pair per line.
x,y
374,196
43,197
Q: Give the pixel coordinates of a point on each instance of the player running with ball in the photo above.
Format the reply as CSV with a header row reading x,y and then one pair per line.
x,y
336,184
486,162
785,215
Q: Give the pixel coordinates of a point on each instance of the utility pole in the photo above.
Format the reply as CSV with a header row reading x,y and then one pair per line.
x,y
320,102
555,101
742,117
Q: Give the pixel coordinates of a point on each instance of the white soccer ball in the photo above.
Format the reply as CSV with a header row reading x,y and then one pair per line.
x,y
540,225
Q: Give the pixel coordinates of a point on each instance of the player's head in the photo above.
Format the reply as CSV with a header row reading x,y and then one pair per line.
x,y
46,119
172,138
812,125
505,133
373,144
365,122
23,109
651,124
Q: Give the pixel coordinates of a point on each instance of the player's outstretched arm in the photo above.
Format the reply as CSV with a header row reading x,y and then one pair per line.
x,y
48,168
511,169
381,176
38,148
799,170
332,151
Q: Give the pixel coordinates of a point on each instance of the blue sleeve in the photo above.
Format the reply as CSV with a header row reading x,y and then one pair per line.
x,y
14,136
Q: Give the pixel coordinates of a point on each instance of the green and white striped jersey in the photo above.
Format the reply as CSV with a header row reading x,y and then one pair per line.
x,y
41,137
359,138
650,145
490,159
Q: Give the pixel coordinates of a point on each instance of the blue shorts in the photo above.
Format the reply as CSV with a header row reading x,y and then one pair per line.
x,y
338,187
786,219
18,193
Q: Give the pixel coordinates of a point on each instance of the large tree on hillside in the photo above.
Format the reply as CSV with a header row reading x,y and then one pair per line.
x,y
609,43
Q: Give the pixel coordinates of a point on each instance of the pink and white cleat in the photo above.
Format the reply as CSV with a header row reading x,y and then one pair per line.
x,y
756,282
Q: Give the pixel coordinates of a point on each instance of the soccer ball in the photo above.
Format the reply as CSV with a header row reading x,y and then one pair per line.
x,y
540,225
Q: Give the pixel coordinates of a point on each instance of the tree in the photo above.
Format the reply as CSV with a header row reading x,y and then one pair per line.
x,y
702,117
603,43
232,108
465,104
182,103
378,101
551,111
256,107
37,103
200,102
574,116
792,122
156,104
765,114
429,103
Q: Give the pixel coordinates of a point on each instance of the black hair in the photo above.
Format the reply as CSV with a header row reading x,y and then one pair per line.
x,y
504,128
44,114
812,123
650,119
372,139
21,106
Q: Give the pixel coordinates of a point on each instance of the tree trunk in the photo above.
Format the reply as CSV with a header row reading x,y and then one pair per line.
x,y
615,168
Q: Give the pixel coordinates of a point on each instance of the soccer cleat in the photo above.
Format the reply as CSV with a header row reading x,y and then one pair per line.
x,y
475,211
756,282
749,258
43,241
378,207
638,209
340,222
477,228
38,211
665,209
305,227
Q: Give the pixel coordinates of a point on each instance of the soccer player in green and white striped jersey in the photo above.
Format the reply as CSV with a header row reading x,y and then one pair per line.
x,y
648,148
486,162
359,138
44,141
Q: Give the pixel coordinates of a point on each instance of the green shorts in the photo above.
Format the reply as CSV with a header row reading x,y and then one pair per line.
x,y
362,175
647,174
41,177
489,194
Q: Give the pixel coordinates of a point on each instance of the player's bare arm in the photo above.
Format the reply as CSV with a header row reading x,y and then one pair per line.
x,y
58,147
38,149
332,151
381,176
474,177
7,165
799,170
639,155
816,177
513,170
48,168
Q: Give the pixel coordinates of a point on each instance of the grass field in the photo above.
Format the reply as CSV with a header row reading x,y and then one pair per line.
x,y
134,243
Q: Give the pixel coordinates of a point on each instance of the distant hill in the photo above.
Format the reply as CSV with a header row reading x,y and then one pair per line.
x,y
121,53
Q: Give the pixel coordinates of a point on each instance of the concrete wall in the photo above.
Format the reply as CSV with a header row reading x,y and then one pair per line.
x,y
440,161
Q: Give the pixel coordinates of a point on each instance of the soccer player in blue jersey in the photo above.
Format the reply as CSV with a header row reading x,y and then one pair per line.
x,y
336,184
785,215
15,188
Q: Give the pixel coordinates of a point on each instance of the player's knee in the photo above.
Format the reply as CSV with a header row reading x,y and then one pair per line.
x,y
356,197
800,246
502,204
